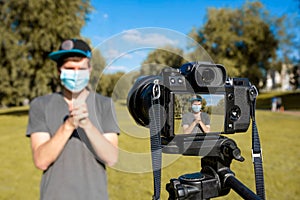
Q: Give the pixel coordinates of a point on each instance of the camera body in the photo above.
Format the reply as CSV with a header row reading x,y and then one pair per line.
x,y
227,102
162,102
210,80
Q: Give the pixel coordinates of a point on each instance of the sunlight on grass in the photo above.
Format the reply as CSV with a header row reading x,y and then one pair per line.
x,y
19,179
279,133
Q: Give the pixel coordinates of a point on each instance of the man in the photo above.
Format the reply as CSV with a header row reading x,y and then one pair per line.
x,y
196,121
73,133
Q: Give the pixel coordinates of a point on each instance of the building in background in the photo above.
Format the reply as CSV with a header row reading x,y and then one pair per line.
x,y
280,80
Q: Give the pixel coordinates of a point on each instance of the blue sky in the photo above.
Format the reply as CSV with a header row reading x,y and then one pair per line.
x,y
112,18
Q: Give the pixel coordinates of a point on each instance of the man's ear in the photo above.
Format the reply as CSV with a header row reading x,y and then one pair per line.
x,y
90,65
58,70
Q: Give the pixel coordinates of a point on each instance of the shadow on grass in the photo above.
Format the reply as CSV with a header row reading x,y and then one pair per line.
x,y
290,100
14,113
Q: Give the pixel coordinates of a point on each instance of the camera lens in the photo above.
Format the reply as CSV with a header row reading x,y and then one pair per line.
x,y
138,101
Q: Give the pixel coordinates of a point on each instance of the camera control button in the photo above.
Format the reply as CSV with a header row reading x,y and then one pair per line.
x,y
172,81
180,81
235,113
230,96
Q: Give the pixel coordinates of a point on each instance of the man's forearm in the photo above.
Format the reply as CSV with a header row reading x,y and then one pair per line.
x,y
105,149
189,129
204,127
46,152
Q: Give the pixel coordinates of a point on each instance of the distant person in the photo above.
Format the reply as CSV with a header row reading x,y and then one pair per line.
x,y
279,104
196,121
274,104
73,133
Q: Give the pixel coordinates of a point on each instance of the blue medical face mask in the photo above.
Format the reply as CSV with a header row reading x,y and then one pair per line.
x,y
74,80
196,108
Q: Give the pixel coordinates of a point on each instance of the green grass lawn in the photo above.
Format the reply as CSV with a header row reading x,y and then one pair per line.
x,y
131,178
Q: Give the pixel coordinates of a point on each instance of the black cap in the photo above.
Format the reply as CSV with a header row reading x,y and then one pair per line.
x,y
71,47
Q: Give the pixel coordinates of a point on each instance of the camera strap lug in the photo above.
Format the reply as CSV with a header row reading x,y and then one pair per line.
x,y
253,93
156,90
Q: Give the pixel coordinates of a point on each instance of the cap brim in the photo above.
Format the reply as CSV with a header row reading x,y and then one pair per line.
x,y
195,99
58,54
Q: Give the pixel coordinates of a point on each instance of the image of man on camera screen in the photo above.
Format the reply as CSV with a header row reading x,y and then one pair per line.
x,y
195,121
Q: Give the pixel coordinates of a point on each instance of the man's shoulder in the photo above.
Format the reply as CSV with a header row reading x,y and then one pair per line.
x,y
100,98
46,96
98,95
205,117
44,99
205,113
188,115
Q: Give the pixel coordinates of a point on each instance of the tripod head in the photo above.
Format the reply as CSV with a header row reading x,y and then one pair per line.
x,y
215,179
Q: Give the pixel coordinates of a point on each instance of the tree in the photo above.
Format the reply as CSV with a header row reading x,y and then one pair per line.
x,y
240,39
295,77
107,83
123,84
98,64
161,58
30,30
287,30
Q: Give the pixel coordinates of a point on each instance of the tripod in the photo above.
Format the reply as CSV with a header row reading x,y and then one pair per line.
x,y
215,179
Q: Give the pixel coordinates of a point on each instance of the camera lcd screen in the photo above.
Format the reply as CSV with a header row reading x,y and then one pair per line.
x,y
194,111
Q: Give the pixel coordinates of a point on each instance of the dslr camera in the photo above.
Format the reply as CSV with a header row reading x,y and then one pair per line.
x,y
167,98
225,100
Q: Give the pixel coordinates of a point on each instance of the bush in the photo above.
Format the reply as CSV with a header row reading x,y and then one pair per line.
x,y
290,100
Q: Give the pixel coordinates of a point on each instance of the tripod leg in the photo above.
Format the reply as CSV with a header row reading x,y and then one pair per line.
x,y
240,188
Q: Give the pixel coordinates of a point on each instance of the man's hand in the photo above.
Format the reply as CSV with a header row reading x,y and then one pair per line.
x,y
78,116
198,118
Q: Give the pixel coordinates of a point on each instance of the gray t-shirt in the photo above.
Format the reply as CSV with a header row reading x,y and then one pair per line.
x,y
188,118
77,173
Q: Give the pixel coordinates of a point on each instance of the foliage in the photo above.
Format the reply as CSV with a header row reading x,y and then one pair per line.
x,y
289,43
295,77
242,40
107,83
161,58
112,85
98,63
30,30
290,100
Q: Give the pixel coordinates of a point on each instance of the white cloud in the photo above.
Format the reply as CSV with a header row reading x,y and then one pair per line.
x,y
105,16
114,53
115,68
153,39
